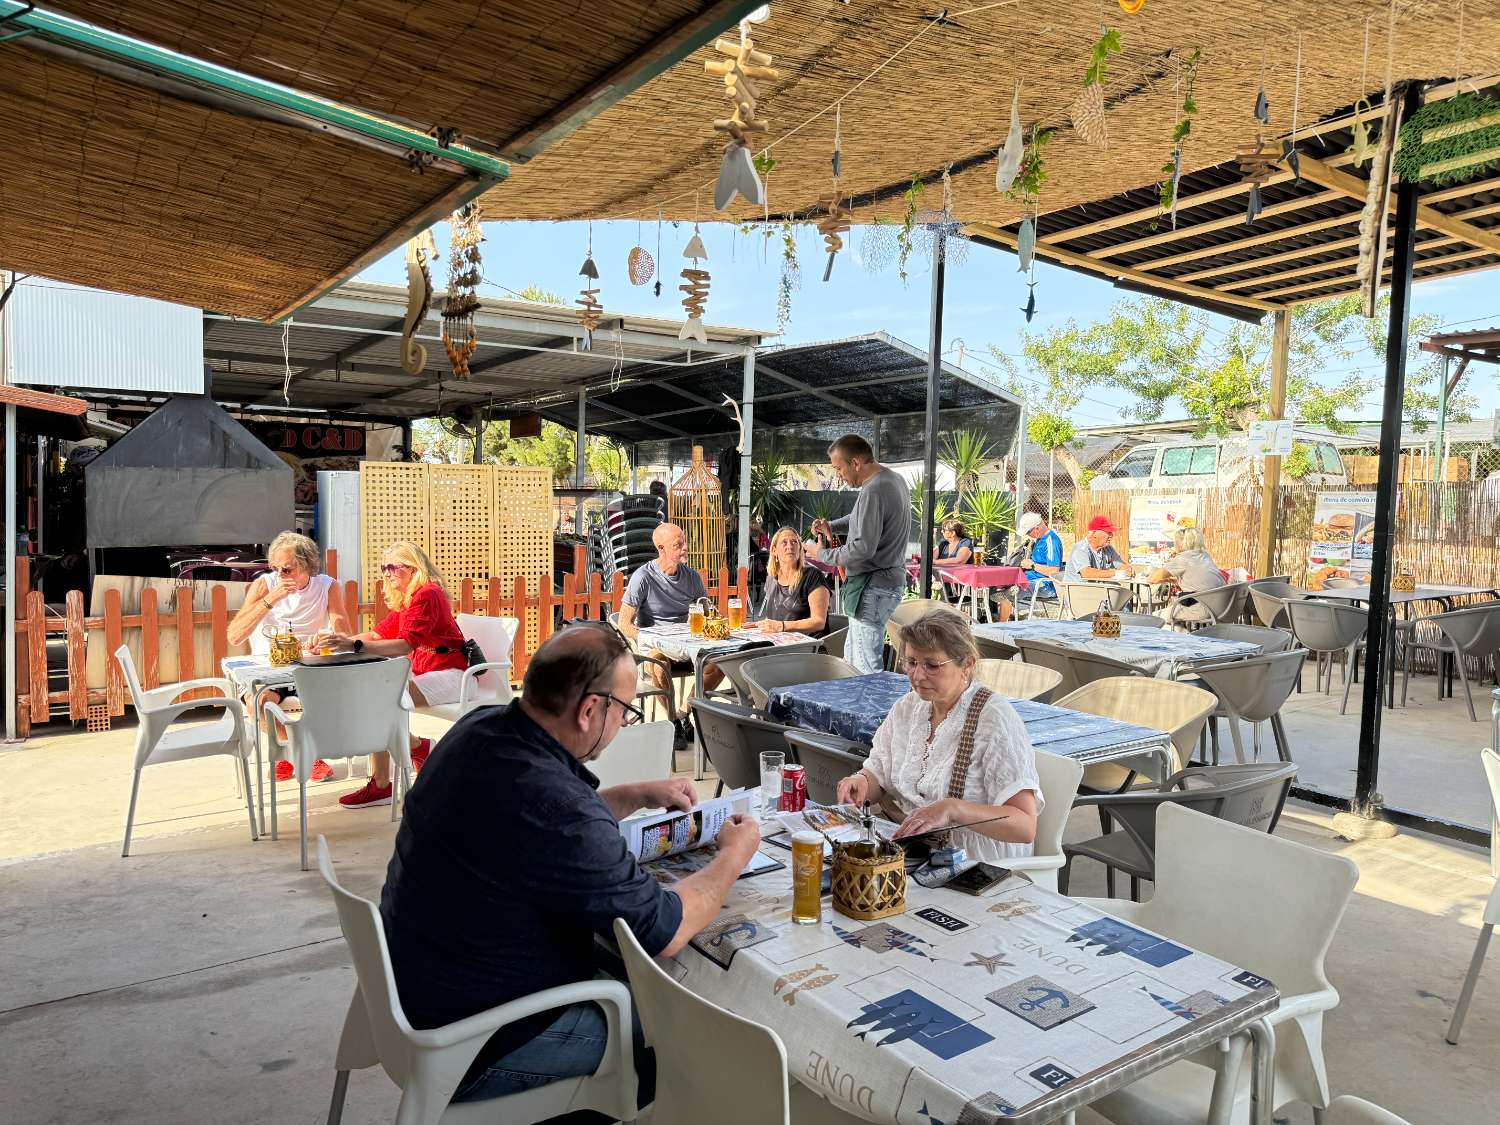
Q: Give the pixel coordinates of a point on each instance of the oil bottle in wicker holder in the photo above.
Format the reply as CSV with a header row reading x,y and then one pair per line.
x,y
1405,582
1106,623
695,505
285,648
869,880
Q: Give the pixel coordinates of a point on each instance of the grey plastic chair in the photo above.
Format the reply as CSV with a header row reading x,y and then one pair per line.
x,y
1269,596
833,642
1251,690
1324,629
1251,795
1052,656
1341,583
782,669
1491,916
730,663
1455,635
826,760
991,649
1082,599
1269,640
1223,603
733,738
1134,620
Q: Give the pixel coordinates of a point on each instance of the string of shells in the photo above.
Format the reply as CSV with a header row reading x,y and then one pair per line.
x,y
460,340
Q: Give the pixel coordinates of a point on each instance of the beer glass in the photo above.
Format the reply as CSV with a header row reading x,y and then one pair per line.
x,y
736,613
807,878
771,762
695,620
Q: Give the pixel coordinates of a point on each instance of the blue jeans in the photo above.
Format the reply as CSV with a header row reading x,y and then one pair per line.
x,y
572,1045
866,646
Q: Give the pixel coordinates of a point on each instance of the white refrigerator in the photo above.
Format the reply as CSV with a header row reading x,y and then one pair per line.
x,y
338,523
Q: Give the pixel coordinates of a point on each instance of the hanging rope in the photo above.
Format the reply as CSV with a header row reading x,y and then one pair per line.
x,y
286,361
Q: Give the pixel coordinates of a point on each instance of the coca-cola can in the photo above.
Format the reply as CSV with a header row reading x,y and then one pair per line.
x,y
793,788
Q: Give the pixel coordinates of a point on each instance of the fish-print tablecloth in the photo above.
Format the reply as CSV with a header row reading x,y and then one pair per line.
x,y
1160,652
1013,1007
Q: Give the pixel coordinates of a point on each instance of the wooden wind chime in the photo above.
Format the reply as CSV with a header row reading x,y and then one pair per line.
x,y
1257,164
459,337
837,214
696,290
695,504
740,68
419,252
590,309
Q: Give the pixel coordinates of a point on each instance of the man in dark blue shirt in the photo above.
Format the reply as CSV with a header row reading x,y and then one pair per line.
x,y
510,860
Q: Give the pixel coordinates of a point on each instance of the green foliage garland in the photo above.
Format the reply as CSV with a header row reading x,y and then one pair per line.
x,y
1418,150
912,194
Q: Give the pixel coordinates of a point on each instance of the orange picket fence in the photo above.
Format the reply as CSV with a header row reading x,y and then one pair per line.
x,y
531,600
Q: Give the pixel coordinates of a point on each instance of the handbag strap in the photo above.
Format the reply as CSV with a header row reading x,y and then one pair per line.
x,y
959,778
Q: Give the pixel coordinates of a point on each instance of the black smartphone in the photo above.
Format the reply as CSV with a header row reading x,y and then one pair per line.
x,y
979,878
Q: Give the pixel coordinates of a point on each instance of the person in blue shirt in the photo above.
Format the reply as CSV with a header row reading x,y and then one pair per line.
x,y
1045,552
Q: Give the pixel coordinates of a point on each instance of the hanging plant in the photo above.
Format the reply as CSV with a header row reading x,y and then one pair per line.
x,y
1087,111
1172,169
1033,173
904,240
791,276
1447,142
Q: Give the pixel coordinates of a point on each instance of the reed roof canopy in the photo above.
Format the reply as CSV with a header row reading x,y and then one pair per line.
x,y
916,95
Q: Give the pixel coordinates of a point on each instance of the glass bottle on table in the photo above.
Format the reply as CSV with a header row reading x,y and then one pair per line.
x,y
771,762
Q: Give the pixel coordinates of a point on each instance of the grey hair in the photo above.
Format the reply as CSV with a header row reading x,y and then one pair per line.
x,y
1188,539
942,630
304,552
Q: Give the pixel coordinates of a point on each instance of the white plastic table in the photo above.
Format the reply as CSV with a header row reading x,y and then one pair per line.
x,y
1159,652
256,676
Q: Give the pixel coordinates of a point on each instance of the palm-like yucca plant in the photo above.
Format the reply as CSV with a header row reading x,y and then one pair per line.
x,y
821,507
988,510
768,481
964,453
941,511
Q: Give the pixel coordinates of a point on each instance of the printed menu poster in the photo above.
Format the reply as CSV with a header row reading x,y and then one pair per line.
x,y
1343,537
1154,520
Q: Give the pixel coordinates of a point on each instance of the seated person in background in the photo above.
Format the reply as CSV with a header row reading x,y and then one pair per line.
x,y
1194,571
796,594
1039,552
919,766
955,548
294,596
660,593
1092,558
509,861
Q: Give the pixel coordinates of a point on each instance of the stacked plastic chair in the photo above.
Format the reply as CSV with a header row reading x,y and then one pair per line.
x,y
625,536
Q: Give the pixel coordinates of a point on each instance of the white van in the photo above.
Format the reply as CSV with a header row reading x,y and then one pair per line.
x,y
1217,463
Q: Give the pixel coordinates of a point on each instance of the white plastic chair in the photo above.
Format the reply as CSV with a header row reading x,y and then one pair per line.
x,y
347,711
428,1065
639,753
495,636
156,741
1059,777
1349,1110
1016,680
1491,763
712,1065
1260,902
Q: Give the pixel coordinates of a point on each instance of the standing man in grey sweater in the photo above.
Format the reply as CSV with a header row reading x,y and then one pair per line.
x,y
873,556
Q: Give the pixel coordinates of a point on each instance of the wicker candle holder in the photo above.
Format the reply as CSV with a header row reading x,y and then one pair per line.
x,y
1106,624
285,648
1404,583
869,880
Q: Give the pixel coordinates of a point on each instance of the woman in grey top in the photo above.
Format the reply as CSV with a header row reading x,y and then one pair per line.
x,y
1193,570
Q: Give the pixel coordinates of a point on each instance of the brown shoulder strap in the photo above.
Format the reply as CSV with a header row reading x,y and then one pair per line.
x,y
959,778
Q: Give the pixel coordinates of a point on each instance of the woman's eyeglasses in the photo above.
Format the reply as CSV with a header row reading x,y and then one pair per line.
x,y
284,569
392,568
928,666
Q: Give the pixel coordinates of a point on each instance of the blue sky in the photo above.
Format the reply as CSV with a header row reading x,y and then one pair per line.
x,y
985,293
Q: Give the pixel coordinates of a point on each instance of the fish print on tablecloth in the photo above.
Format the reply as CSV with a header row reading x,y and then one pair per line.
x,y
1189,1007
882,937
910,1016
808,986
1014,908
983,1109
720,940
1110,936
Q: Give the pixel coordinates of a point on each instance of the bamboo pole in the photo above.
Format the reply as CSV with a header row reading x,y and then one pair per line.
x,y
1270,491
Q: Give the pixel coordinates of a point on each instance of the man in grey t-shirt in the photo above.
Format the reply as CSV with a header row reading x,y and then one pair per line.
x,y
660,593
873,556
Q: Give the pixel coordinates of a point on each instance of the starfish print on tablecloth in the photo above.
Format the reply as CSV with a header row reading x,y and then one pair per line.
x,y
991,963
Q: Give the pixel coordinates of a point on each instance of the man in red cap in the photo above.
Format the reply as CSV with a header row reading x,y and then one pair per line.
x,y
1092,558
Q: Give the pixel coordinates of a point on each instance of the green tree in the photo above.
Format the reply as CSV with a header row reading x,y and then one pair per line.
x,y
541,296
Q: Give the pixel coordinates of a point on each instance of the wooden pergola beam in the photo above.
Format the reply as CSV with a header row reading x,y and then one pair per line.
x,y
1352,292
1427,216
994,233
1254,240
1228,221
1353,262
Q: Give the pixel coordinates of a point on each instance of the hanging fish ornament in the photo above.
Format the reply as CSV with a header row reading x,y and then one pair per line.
x,y
1030,309
737,176
1253,205
1176,182
1293,162
1026,244
1008,158
590,310
696,290
1262,107
740,68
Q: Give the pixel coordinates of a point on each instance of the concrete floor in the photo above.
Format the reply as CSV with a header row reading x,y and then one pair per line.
x,y
205,979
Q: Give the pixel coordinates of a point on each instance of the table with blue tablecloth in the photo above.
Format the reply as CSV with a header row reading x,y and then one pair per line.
x,y
1157,652
853,708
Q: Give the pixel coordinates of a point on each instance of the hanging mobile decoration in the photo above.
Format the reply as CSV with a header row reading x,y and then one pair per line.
x,y
588,302
639,265
1026,245
696,289
1030,309
1087,111
877,245
740,68
1187,75
1257,164
657,290
462,301
940,230
1360,146
419,252
836,212
1008,158
1289,155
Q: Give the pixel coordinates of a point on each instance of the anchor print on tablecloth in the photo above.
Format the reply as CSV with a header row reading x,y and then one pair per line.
x,y
1040,1002
882,937
907,1015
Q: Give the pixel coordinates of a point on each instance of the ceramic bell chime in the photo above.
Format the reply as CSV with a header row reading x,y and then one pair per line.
x,y
460,340
741,67
696,290
589,308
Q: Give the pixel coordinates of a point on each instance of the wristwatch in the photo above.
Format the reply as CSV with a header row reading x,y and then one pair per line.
x,y
357,646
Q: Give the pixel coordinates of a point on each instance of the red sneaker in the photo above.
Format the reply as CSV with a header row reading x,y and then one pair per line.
x,y
283,770
321,771
371,794
419,754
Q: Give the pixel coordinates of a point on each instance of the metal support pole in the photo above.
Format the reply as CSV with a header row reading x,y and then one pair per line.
x,y
41,493
934,366
747,416
1270,486
635,467
1021,463
1403,242
580,465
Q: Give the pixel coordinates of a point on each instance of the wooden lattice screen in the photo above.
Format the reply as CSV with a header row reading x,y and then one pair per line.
x,y
393,505
461,501
522,541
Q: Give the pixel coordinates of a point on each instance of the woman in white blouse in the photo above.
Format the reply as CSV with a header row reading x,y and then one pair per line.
x,y
951,751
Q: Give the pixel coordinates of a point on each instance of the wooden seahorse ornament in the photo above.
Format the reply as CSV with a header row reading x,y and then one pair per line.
x,y
419,251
